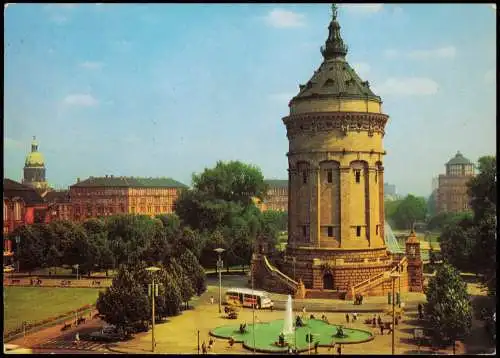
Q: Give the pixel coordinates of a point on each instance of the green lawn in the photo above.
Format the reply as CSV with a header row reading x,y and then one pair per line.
x,y
34,304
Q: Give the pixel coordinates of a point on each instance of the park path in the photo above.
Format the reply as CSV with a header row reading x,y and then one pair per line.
x,y
37,339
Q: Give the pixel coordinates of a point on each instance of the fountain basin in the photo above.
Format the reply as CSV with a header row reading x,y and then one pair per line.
x,y
267,333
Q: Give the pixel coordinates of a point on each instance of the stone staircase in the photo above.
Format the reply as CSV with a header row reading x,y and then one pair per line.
x,y
323,294
294,286
373,283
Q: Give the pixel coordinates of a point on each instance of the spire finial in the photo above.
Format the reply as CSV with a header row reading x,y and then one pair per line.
x,y
334,46
334,11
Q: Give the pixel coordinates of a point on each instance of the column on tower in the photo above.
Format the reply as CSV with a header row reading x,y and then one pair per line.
x,y
381,214
372,222
315,232
345,222
291,223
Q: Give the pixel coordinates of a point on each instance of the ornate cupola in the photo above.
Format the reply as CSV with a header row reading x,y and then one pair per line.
x,y
334,46
34,168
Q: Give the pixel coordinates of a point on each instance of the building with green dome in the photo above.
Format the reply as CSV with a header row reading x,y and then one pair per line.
x,y
34,168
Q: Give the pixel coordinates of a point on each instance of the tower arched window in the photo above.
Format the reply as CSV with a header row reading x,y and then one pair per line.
x,y
17,211
5,213
357,174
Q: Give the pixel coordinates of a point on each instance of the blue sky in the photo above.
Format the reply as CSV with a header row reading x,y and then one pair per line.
x,y
169,89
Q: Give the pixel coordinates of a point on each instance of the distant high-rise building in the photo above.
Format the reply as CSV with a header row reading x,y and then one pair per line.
x,y
435,184
34,169
452,187
390,190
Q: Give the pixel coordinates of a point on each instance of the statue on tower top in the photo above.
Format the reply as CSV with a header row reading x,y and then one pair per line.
x,y
334,11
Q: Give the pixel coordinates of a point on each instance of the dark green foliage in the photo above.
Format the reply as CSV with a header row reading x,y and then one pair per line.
x,y
410,210
457,243
442,220
194,271
483,188
231,181
125,302
448,306
29,251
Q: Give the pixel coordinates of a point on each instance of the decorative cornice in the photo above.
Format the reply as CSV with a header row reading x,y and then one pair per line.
x,y
312,123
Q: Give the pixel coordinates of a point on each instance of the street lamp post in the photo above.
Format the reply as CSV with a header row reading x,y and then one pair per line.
x,y
219,268
394,276
76,266
153,291
253,313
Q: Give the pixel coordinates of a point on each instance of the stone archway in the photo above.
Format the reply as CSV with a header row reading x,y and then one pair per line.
x,y
328,281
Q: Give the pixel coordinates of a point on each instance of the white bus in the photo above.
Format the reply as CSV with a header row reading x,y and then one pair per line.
x,y
246,297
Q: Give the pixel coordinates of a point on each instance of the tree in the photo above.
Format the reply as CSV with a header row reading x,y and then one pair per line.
x,y
194,271
484,251
457,242
441,220
181,278
231,181
482,188
448,305
125,302
432,203
29,251
410,210
390,207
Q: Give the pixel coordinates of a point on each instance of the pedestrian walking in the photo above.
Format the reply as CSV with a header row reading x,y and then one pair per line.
x,y
379,320
354,316
381,329
347,317
316,345
420,311
204,348
212,300
339,350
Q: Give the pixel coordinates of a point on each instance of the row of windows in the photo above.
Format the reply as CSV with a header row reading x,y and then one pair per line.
x,y
330,230
329,176
142,209
17,211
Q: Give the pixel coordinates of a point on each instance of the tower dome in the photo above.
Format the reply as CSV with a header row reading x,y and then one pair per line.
x,y
34,158
335,85
34,168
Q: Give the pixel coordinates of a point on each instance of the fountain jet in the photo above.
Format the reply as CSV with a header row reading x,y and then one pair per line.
x,y
288,325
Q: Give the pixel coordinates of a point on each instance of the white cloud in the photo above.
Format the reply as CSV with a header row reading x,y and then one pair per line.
x,y
397,10
132,139
442,52
10,143
363,8
122,45
409,86
281,97
361,68
284,18
391,53
80,100
92,65
59,19
490,76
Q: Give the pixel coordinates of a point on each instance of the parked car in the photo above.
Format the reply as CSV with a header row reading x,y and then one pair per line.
x,y
8,269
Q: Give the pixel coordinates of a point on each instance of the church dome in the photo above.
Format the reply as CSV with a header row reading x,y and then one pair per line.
x,y
35,158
